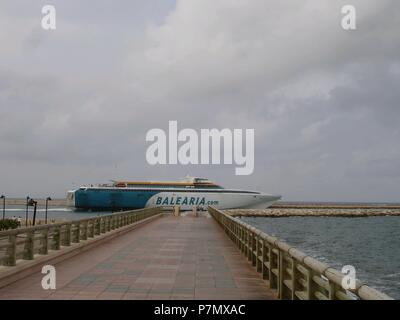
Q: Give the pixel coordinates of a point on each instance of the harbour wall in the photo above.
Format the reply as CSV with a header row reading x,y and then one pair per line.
x,y
350,212
41,202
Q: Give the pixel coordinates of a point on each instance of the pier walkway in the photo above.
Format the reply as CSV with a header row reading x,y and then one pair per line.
x,y
170,257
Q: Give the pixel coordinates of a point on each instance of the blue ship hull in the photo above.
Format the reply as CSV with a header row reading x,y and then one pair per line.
x,y
98,199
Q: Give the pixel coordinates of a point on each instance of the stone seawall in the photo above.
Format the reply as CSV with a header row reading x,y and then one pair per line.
x,y
41,202
316,212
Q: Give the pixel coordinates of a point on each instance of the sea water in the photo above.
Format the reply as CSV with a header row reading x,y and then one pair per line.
x,y
370,244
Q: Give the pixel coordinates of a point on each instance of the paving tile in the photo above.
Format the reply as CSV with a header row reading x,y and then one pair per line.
x,y
158,296
85,296
160,290
182,297
138,290
60,297
179,290
110,296
225,283
205,285
116,288
134,296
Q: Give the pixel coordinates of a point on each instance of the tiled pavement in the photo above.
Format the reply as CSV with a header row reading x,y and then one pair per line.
x,y
169,258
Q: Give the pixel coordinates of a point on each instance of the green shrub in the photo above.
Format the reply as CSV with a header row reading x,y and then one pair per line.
x,y
9,224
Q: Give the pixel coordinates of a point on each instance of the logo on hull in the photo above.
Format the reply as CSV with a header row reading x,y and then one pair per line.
x,y
190,201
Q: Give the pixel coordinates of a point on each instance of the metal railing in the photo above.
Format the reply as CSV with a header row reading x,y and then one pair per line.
x,y
292,273
25,243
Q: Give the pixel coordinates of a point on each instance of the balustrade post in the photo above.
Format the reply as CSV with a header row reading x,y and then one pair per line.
x,y
76,236
241,236
29,246
108,223
245,241
295,274
253,249
92,229
84,230
223,223
237,235
67,235
258,252
234,231
265,274
249,245
101,225
97,230
44,242
112,222
281,271
56,243
332,290
272,277
11,253
310,284
247,237
104,224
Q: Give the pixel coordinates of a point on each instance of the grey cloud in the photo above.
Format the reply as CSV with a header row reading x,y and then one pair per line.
x,y
76,104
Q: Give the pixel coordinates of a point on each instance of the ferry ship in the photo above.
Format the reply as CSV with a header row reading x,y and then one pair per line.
x,y
187,193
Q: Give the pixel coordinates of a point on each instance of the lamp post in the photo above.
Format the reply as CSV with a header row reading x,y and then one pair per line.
x,y
26,213
4,205
47,204
34,204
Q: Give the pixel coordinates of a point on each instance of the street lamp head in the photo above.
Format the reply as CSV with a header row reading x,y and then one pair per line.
x,y
2,196
48,199
27,198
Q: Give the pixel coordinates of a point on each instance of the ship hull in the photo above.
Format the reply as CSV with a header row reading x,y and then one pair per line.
x,y
126,198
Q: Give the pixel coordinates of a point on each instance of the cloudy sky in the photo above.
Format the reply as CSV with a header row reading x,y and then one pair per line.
x,y
76,103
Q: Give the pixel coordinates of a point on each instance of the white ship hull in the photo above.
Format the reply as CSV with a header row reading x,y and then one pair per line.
x,y
221,200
